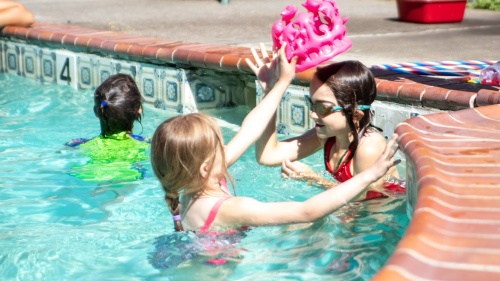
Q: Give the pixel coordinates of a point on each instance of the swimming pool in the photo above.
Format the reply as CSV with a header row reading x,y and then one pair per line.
x,y
57,227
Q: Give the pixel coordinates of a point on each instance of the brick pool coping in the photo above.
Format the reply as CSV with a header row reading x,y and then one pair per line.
x,y
454,233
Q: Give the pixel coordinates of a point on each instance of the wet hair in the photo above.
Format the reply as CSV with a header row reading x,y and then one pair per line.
x,y
116,103
179,147
352,84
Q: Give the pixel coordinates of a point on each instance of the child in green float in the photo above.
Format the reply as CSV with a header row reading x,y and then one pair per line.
x,y
116,154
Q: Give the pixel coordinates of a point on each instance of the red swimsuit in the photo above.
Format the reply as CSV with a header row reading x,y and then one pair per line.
x,y
343,172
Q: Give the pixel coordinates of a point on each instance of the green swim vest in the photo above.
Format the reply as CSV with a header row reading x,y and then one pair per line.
x,y
114,158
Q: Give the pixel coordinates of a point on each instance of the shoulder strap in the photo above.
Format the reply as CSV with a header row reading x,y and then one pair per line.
x,y
212,214
328,147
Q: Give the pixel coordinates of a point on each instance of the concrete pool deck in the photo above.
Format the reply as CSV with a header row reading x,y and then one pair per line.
x,y
454,232
378,37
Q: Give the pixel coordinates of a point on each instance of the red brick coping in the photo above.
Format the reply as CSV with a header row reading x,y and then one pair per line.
x,y
454,233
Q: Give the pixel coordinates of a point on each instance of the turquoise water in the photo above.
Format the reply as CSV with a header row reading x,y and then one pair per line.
x,y
54,226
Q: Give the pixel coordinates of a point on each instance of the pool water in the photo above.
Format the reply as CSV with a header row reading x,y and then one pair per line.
x,y
54,226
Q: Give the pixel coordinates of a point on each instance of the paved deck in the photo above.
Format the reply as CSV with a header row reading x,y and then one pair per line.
x,y
378,37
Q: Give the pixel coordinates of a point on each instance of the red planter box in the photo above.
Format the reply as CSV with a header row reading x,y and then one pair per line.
x,y
431,11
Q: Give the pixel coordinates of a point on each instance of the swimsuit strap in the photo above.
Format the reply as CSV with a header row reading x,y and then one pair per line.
x,y
212,214
328,146
343,169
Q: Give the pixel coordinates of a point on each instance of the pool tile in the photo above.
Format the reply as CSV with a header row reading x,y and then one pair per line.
x,y
13,63
171,88
206,94
148,83
86,72
48,71
30,62
293,116
104,68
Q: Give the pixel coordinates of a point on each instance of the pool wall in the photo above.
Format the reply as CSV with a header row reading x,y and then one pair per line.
x,y
449,129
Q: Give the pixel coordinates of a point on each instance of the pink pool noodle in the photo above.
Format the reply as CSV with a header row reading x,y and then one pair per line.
x,y
314,37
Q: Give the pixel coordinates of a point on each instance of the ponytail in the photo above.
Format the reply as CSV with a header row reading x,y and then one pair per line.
x,y
174,206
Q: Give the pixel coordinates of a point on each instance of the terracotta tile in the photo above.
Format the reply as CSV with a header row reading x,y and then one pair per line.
x,y
420,227
390,273
33,34
467,203
461,98
108,45
197,59
95,43
479,187
435,95
230,62
21,32
438,271
165,54
69,39
213,60
487,97
82,41
150,51
388,89
122,47
181,56
490,112
458,213
45,36
136,50
243,66
8,30
57,37
412,91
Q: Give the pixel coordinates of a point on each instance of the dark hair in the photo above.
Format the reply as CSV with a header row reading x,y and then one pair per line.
x,y
116,103
352,84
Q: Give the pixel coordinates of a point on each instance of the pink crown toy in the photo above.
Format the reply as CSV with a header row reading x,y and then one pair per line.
x,y
314,37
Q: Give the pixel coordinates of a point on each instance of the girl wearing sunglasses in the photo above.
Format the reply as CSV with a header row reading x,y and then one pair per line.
x,y
341,94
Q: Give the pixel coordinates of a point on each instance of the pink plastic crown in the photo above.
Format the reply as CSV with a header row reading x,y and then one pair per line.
x,y
314,37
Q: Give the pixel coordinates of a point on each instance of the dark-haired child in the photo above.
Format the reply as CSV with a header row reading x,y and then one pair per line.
x,y
341,95
116,153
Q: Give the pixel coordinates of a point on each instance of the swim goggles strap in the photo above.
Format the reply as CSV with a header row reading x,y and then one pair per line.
x,y
364,107
104,103
177,218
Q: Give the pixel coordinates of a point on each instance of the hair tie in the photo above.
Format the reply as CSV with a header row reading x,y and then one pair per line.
x,y
104,103
177,218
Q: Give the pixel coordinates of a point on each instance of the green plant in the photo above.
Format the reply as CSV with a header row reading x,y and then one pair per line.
x,y
485,4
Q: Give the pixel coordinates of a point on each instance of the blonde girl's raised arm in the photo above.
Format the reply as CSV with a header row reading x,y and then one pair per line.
x,y
247,211
256,121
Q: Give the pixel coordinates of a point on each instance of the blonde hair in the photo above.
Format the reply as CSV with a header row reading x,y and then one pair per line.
x,y
179,147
